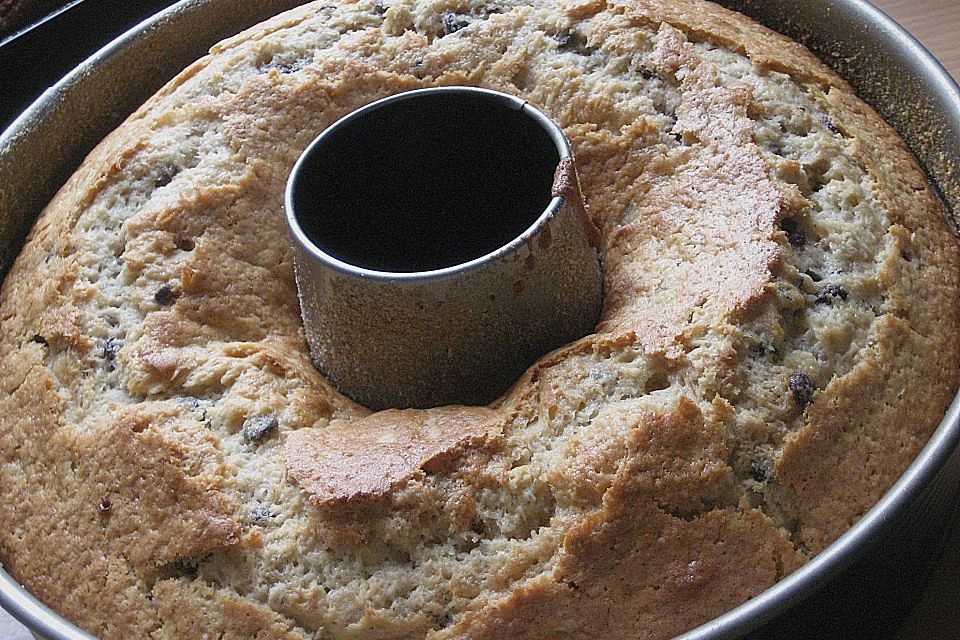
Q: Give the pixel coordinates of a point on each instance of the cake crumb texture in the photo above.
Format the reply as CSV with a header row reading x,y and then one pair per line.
x,y
780,337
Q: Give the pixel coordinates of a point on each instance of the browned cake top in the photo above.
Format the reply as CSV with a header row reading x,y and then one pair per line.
x,y
779,339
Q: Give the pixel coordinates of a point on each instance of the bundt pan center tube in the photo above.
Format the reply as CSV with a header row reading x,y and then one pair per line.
x,y
878,561
441,246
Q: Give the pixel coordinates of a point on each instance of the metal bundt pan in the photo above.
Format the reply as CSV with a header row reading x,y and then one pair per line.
x,y
861,585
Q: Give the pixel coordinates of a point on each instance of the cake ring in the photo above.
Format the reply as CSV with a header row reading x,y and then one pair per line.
x,y
779,338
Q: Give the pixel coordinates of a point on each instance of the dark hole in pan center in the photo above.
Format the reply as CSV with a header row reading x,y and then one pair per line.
x,y
425,183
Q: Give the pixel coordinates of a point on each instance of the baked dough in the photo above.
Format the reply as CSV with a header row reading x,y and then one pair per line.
x,y
779,339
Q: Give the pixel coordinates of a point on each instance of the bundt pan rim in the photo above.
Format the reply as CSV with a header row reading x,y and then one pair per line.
x,y
879,58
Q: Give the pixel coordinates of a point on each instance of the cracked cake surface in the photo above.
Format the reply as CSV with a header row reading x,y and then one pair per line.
x,y
780,337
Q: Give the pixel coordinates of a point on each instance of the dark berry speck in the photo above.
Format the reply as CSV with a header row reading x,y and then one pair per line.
x,y
795,233
110,349
261,515
39,339
190,401
830,293
646,73
284,67
105,508
828,123
803,388
185,568
166,294
758,470
442,621
184,243
379,7
453,23
259,427
166,175
573,40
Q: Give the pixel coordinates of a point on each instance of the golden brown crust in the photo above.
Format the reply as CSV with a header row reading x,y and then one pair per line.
x,y
367,458
652,554
174,467
854,444
721,188
194,610
767,49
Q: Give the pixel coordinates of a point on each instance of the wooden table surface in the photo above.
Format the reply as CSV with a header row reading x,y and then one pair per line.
x,y
936,23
